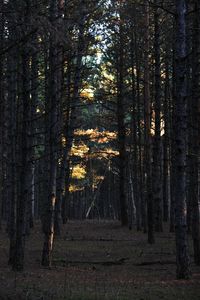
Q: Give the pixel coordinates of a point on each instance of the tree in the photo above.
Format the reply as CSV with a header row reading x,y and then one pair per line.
x,y
196,133
52,139
121,120
182,256
157,156
148,140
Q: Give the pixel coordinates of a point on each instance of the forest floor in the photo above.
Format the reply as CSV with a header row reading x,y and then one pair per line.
x,y
97,261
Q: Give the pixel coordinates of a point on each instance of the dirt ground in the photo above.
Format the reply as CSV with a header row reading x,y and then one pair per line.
x,y
98,260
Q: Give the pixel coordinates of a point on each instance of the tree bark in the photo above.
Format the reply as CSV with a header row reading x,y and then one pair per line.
x,y
148,138
51,145
2,25
157,161
195,176
22,195
182,256
121,129
166,193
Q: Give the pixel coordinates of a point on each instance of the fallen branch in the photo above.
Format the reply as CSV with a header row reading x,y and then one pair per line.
x,y
158,262
71,239
103,263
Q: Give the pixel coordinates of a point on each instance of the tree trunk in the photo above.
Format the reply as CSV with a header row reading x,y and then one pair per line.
x,y
182,256
172,149
121,130
51,145
195,176
2,23
166,143
22,195
157,161
148,142
139,199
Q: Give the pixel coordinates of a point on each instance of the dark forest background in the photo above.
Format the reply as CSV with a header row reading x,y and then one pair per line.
x,y
100,119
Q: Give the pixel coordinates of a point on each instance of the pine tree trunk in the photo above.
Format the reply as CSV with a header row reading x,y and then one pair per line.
x,y
121,131
139,199
195,176
2,23
148,142
12,163
182,256
157,165
142,210
166,143
60,101
51,144
172,149
33,125
22,195
65,168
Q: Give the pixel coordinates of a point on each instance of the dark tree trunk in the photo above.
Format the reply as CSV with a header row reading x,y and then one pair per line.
x,y
12,141
11,192
157,161
172,150
60,75
182,256
51,145
148,142
166,143
121,130
195,175
33,126
22,195
2,24
139,199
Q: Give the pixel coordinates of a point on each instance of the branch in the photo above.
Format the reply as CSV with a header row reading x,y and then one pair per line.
x,y
24,39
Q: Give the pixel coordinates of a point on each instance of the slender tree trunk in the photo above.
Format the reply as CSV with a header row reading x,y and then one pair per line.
x,y
148,142
11,115
60,75
140,205
12,185
65,168
166,143
121,131
195,176
172,149
33,125
182,256
190,132
49,219
2,23
157,161
22,195
142,210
